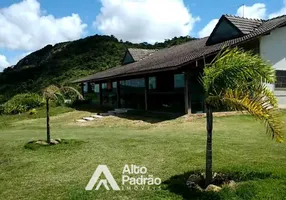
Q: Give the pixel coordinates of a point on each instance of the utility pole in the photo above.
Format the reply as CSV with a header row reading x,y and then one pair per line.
x,y
243,7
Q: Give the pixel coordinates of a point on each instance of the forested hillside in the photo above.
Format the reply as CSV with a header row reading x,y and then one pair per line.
x,y
63,62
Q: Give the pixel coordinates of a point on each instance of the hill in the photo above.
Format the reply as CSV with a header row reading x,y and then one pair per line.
x,y
63,62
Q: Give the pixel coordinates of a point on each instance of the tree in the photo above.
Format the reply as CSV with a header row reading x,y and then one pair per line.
x,y
53,92
236,80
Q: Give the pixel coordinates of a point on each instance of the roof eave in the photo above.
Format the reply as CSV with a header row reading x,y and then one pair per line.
x,y
178,66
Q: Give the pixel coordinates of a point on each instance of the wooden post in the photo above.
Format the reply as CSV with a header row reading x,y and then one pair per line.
x,y
209,153
146,92
118,94
100,94
188,109
48,121
89,88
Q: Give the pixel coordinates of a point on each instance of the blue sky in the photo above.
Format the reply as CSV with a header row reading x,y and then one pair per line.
x,y
27,25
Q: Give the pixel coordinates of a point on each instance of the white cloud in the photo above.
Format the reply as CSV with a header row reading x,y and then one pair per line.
x,y
24,27
206,31
282,11
145,20
256,11
3,62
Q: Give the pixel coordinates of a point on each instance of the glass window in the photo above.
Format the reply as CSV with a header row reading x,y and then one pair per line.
x,y
85,87
280,79
114,85
179,81
96,88
152,83
104,85
134,83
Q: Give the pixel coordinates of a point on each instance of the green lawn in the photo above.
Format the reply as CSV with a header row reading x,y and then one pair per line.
x,y
171,150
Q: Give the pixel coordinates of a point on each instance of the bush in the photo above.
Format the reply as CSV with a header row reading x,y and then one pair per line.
x,y
1,109
32,111
22,103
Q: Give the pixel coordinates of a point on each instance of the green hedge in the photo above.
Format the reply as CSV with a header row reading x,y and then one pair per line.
x,y
21,103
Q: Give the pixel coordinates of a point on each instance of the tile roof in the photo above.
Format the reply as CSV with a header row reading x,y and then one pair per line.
x,y
139,54
245,25
179,55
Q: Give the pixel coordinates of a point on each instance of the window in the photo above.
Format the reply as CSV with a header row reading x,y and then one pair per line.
x,y
85,87
281,79
179,80
96,88
138,83
104,85
114,85
152,83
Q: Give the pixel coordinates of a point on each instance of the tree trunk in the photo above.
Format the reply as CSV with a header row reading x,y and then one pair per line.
x,y
48,121
209,145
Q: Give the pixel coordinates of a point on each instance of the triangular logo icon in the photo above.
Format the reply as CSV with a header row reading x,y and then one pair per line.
x,y
102,169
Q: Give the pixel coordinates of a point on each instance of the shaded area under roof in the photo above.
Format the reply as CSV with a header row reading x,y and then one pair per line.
x,y
181,55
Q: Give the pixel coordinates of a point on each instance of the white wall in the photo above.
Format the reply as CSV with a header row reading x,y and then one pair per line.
x,y
273,49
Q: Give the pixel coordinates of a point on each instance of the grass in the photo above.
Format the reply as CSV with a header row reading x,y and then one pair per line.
x,y
171,150
6,120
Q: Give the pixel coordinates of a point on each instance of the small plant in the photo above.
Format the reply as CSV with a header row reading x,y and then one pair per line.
x,y
53,93
236,79
32,111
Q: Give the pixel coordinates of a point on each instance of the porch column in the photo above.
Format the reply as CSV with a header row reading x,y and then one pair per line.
x,y
146,80
89,88
118,94
187,93
100,94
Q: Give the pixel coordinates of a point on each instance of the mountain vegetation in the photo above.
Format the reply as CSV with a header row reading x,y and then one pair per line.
x,y
64,62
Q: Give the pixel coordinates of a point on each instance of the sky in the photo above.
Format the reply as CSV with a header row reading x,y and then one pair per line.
x,y
29,25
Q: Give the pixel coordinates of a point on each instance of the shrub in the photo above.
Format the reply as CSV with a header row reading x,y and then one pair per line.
x,y
1,109
22,103
32,111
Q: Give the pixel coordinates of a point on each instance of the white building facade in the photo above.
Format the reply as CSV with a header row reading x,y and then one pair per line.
x,y
273,49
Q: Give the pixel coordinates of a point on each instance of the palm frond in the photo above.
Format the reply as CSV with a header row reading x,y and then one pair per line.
x,y
73,90
267,92
257,103
233,67
53,92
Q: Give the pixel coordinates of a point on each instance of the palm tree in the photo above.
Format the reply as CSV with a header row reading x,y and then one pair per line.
x,y
53,92
236,80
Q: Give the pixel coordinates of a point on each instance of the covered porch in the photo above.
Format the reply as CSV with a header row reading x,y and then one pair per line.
x,y
166,80
174,91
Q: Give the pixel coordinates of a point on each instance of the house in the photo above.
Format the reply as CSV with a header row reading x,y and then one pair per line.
x,y
167,79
